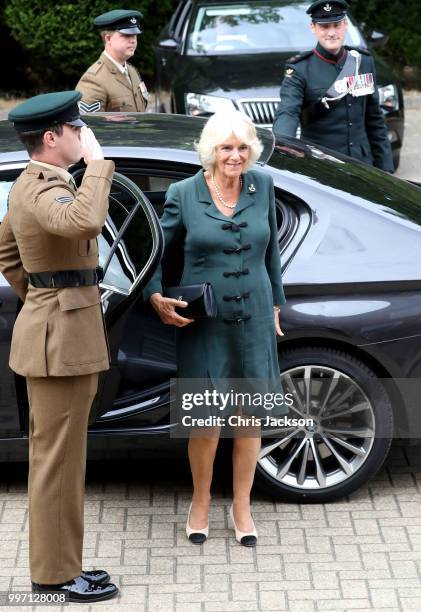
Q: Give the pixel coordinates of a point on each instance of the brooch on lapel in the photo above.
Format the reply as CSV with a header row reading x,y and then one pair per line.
x,y
251,188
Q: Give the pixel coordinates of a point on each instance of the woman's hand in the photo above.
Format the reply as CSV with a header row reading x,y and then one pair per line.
x,y
278,329
165,307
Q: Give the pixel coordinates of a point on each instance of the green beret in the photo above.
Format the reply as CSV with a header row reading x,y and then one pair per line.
x,y
324,11
125,22
46,110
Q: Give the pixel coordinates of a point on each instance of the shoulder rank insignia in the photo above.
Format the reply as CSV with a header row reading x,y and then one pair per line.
x,y
64,199
289,72
89,108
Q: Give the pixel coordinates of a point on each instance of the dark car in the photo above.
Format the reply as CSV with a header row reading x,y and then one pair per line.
x,y
350,241
231,54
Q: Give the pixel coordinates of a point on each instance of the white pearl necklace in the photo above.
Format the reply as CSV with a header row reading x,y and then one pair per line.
x,y
219,194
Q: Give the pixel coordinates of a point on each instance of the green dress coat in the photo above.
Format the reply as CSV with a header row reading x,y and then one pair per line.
x,y
240,257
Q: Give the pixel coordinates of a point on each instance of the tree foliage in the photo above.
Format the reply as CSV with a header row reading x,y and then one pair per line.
x,y
63,42
401,21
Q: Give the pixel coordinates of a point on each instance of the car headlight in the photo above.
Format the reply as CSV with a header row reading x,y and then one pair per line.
x,y
389,97
201,105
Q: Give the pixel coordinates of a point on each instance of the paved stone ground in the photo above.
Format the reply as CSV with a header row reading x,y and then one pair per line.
x,y
361,553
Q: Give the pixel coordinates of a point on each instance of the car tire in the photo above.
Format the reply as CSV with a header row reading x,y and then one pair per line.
x,y
396,159
366,409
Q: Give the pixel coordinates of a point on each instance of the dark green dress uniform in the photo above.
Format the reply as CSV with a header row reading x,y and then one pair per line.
x,y
240,257
353,125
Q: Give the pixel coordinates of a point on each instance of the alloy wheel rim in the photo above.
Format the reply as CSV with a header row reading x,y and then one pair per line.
x,y
336,447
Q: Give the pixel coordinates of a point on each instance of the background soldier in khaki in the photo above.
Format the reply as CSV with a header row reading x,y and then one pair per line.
x,y
111,84
48,238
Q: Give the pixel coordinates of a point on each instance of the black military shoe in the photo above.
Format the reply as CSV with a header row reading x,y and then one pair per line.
x,y
79,590
96,576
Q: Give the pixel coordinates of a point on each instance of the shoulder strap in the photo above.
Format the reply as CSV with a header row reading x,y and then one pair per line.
x,y
359,49
300,57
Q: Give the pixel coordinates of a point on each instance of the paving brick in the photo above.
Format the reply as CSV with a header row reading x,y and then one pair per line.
x,y
354,589
216,582
272,600
297,571
230,606
160,602
345,605
301,606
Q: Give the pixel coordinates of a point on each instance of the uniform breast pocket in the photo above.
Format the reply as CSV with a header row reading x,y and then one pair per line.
x,y
122,104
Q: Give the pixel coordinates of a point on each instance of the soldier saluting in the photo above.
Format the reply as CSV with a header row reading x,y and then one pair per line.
x,y
49,255
333,90
111,83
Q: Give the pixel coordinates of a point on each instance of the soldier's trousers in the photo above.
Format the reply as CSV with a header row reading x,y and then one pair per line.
x,y
58,422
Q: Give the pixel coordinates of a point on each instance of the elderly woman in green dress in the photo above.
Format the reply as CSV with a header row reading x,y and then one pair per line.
x,y
224,220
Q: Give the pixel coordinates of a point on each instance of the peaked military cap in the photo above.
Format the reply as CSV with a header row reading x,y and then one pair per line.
x,y
46,110
123,21
324,11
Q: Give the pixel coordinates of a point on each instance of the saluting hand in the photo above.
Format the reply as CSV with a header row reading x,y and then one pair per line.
x,y
165,307
91,149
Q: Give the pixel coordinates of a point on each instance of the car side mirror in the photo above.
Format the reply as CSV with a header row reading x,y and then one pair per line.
x,y
169,43
378,39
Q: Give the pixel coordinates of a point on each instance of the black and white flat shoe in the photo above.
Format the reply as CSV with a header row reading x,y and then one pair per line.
x,y
196,536
248,538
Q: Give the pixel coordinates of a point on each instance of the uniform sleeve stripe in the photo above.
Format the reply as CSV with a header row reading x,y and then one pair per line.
x,y
89,108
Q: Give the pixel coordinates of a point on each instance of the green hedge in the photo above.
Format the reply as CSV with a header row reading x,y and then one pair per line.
x,y
63,42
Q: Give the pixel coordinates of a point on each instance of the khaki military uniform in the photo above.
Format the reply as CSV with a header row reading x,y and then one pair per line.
x,y
59,343
105,88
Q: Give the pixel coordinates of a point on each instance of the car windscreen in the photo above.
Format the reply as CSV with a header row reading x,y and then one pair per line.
x,y
251,27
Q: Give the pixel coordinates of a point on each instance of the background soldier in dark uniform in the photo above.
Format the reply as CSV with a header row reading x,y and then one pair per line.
x,y
332,90
111,84
48,237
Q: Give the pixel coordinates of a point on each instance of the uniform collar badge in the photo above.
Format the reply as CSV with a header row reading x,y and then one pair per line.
x,y
251,188
327,7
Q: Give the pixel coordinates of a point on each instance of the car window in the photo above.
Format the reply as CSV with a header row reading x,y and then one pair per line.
x,y
154,184
249,27
5,187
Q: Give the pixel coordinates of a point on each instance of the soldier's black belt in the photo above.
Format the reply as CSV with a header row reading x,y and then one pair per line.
x,y
66,278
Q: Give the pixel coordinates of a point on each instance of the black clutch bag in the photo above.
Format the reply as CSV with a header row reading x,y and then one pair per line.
x,y
201,300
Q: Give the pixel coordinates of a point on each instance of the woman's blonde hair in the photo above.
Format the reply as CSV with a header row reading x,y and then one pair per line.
x,y
221,126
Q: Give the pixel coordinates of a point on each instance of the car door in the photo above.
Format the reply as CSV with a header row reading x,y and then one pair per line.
x,y
12,387
130,247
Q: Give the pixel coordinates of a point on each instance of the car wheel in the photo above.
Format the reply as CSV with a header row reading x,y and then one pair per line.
x,y
351,433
